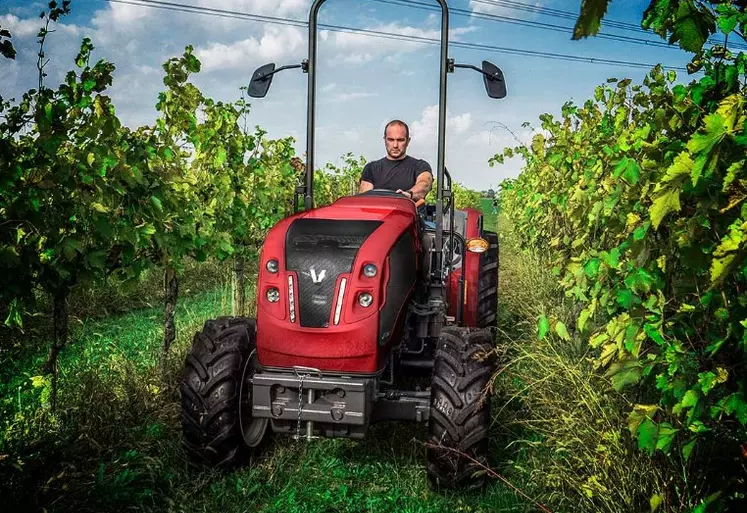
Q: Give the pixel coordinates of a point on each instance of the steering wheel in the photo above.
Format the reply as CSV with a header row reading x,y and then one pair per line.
x,y
383,192
391,193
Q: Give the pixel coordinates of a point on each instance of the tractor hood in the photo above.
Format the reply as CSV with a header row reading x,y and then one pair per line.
x,y
318,259
366,207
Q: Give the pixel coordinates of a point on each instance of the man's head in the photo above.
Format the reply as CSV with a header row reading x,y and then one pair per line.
x,y
396,139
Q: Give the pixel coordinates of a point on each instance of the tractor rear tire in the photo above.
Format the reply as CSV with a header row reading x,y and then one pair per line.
x,y
487,294
460,408
215,395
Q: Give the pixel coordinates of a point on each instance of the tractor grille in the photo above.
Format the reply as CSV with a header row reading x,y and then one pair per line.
x,y
319,250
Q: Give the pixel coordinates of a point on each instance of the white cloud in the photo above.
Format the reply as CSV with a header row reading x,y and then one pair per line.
x,y
358,58
127,14
126,20
496,8
482,138
122,17
352,135
267,7
31,9
28,27
479,6
276,44
460,123
427,126
343,97
361,47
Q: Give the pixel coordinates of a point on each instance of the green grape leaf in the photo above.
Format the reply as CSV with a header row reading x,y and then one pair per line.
x,y
638,414
666,202
624,373
666,436
713,131
687,449
648,433
590,17
543,327
583,318
562,331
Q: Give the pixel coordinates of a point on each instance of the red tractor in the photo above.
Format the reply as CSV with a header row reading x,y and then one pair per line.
x,y
368,309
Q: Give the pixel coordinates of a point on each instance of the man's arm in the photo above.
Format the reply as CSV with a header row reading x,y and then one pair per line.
x,y
422,186
367,179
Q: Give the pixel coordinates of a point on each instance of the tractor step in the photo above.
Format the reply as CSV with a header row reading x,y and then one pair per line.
x,y
419,363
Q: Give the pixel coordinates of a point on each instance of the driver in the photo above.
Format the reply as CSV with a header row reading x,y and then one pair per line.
x,y
398,171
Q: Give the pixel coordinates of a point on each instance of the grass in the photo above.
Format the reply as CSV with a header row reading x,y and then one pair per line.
x,y
123,450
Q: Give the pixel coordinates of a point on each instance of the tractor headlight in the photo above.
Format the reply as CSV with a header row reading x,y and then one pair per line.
x,y
477,245
272,266
365,300
273,295
369,270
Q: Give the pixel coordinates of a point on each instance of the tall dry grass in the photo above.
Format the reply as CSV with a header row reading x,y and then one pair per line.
x,y
563,425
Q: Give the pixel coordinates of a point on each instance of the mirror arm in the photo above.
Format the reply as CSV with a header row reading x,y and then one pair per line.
x,y
470,66
304,65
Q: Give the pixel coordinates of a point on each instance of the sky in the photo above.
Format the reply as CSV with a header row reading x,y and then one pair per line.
x,y
362,81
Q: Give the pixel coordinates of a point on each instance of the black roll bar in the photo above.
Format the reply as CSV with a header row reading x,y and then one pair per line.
x,y
311,123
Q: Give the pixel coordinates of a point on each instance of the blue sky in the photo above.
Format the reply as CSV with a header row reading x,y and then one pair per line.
x,y
362,82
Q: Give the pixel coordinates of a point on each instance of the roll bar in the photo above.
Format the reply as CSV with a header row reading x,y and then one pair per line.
x,y
311,116
311,113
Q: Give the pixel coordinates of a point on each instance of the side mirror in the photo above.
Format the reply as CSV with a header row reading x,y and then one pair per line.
x,y
495,84
261,80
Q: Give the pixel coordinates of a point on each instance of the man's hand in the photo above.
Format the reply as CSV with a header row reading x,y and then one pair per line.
x,y
407,194
364,186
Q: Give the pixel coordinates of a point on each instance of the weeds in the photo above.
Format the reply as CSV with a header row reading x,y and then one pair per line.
x,y
567,432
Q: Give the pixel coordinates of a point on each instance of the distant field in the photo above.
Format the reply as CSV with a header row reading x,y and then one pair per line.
x,y
490,220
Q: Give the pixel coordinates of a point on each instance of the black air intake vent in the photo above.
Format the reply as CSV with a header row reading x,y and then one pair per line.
x,y
402,275
319,250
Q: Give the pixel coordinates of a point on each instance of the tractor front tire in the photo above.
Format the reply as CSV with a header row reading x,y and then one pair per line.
x,y
460,409
487,294
216,392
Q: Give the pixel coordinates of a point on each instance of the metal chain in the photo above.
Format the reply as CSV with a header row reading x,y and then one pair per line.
x,y
300,399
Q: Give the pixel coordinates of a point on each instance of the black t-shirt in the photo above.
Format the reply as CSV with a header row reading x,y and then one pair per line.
x,y
394,174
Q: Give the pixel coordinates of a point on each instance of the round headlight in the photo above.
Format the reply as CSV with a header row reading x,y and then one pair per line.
x,y
365,300
272,266
273,295
369,270
477,245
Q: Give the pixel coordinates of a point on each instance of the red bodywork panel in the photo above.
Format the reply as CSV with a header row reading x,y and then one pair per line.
x,y
471,271
352,346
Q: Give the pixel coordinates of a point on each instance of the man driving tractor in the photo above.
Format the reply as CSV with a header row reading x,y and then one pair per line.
x,y
397,171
